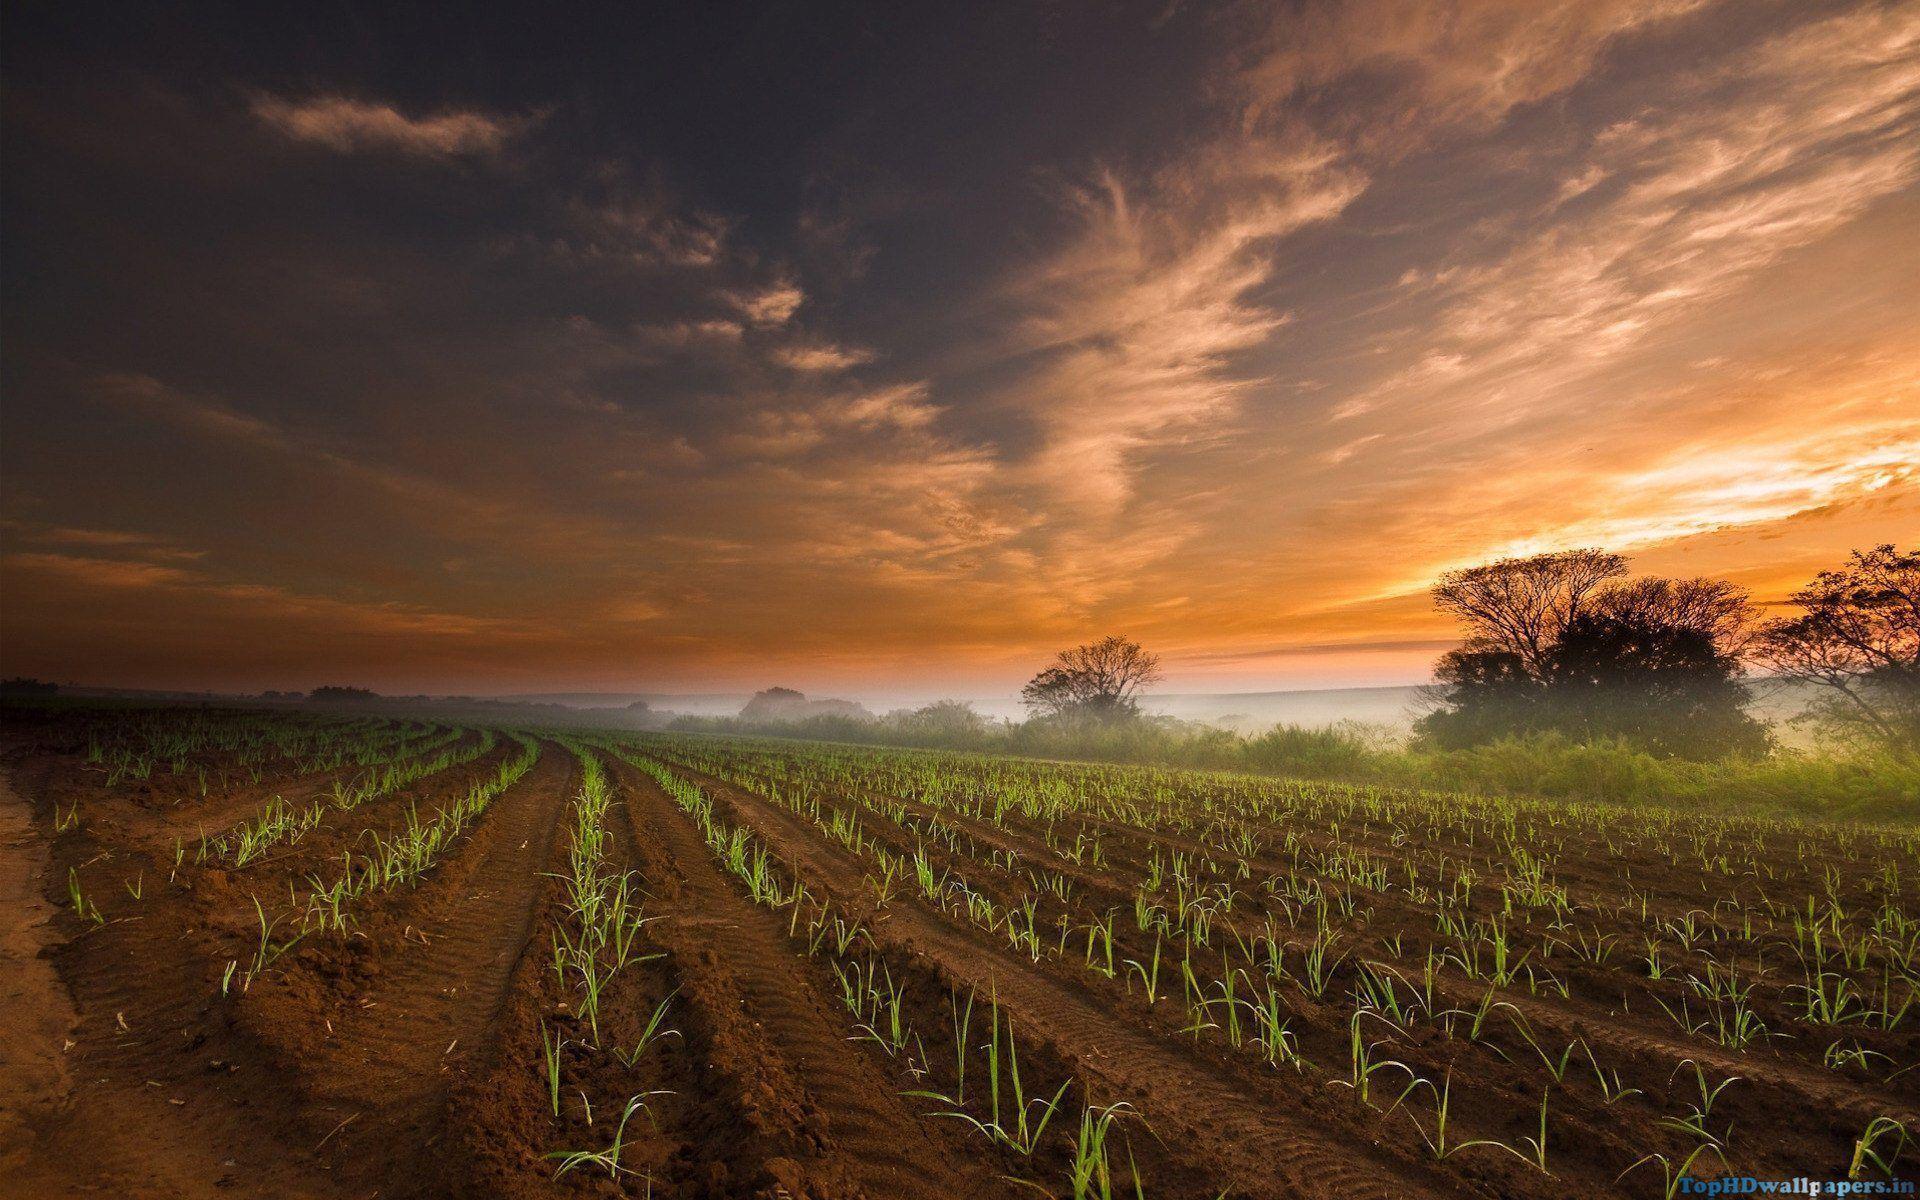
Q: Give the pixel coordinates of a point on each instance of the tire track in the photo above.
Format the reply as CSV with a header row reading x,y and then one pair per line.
x,y
868,1142
390,1063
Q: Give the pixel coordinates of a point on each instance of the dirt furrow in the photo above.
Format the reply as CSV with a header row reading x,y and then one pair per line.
x,y
342,829
389,1062
1847,1104
156,824
1251,1135
169,1098
866,1141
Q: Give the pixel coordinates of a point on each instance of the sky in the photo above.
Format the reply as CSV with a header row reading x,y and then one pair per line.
x,y
894,347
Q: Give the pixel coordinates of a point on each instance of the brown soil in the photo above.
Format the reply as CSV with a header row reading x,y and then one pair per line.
x,y
409,1057
36,1015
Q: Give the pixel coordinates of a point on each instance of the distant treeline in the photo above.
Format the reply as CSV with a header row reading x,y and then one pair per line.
x,y
1572,679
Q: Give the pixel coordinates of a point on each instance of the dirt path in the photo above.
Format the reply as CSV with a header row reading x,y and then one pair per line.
x,y
36,1014
734,952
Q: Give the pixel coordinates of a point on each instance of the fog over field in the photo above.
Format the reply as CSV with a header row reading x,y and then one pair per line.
x,y
1390,710
1391,706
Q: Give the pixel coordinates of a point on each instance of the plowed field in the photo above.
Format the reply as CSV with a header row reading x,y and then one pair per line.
x,y
283,955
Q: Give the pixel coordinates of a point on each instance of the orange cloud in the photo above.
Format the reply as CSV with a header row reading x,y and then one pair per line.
x,y
1401,286
346,125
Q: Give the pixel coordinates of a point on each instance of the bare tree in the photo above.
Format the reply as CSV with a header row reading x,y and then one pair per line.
x,y
1714,607
1102,679
1859,639
1519,605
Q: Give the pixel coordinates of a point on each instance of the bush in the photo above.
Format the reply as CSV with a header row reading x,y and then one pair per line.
x,y
1336,750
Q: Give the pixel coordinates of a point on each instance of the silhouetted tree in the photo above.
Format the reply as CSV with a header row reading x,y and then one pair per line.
x,y
335,694
1558,642
1652,677
1482,694
1859,639
782,705
22,686
774,704
1517,606
1098,681
1715,607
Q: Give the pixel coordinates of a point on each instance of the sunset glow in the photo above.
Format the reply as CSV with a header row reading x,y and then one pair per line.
x,y
942,345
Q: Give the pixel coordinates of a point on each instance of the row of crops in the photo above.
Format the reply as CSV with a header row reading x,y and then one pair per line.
x,y
1487,977
1107,980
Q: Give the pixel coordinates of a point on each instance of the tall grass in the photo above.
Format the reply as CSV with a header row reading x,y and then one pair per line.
x,y
1862,787
1851,786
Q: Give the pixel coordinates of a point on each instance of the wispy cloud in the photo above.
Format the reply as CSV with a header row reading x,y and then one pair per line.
x,y
471,513
642,226
267,602
821,357
111,540
1720,455
101,572
348,125
1391,287
1429,67
773,304
1145,318
1137,322
1743,165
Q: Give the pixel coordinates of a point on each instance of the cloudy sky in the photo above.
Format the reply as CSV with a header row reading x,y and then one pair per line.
x,y
895,346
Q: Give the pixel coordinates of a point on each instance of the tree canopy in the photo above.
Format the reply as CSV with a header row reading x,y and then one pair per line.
x,y
1562,642
1099,681
336,694
1858,639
